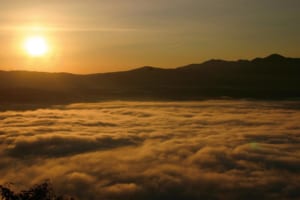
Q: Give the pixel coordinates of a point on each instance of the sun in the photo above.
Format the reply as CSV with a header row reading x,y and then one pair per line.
x,y
36,46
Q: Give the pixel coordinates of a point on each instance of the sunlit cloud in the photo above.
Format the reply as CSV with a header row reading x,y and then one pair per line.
x,y
156,150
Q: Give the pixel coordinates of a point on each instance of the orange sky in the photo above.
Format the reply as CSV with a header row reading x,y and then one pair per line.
x,y
101,35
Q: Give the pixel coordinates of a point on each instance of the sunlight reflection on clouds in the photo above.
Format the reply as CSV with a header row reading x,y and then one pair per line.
x,y
156,150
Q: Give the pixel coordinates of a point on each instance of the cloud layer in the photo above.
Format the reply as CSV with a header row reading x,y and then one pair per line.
x,y
156,150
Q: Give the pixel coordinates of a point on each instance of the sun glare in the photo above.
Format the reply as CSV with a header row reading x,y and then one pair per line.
x,y
36,46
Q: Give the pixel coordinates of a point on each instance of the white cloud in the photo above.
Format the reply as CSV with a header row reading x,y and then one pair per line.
x,y
156,150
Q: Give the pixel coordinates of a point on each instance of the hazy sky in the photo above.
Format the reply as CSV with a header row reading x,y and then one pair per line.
x,y
109,35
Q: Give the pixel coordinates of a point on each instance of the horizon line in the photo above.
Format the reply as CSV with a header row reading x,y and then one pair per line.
x,y
163,68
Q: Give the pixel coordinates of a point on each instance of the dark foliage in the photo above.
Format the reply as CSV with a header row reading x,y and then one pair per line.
x,y
43,191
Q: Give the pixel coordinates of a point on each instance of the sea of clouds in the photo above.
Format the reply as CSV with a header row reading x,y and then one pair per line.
x,y
156,150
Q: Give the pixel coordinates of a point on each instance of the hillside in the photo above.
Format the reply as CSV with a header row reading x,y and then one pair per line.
x,y
272,77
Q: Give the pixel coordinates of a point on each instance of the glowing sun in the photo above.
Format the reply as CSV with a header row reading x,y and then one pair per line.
x,y
36,46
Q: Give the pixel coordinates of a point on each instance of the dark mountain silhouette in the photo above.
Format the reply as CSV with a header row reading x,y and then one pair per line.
x,y
272,77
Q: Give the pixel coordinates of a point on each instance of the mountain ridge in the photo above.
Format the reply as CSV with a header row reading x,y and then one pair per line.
x,y
211,61
271,77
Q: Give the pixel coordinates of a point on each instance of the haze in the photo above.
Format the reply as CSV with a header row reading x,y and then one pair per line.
x,y
100,36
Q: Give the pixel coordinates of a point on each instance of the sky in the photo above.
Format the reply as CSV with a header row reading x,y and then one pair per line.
x,y
110,35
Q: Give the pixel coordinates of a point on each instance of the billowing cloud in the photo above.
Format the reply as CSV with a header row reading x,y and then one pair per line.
x,y
156,150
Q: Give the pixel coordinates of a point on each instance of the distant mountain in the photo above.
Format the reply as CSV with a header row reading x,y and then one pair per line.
x,y
272,77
